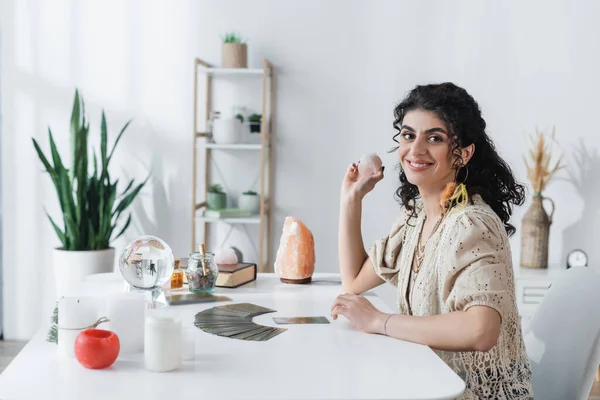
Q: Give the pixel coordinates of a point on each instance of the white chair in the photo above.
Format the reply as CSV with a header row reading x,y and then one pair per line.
x,y
563,337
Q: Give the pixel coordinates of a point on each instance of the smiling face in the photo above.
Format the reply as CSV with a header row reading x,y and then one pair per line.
x,y
424,149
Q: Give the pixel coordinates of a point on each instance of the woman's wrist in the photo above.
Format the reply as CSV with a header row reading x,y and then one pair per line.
x,y
381,323
351,200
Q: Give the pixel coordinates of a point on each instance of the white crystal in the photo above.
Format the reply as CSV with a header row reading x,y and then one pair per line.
x,y
369,164
226,255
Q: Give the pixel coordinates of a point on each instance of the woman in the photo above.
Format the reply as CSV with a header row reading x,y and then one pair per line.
x,y
448,253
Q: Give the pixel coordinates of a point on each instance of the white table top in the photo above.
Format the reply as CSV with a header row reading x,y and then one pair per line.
x,y
332,361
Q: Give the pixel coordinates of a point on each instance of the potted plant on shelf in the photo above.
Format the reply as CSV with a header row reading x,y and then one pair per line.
x,y
216,198
234,53
226,130
249,200
91,205
254,121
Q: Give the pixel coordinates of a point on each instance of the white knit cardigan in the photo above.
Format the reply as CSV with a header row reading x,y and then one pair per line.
x,y
467,262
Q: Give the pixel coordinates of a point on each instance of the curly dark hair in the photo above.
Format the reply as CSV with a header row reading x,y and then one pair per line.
x,y
488,175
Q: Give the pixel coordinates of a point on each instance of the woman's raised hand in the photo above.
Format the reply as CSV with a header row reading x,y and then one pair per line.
x,y
355,186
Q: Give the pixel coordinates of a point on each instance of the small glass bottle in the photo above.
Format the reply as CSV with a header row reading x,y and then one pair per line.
x,y
177,276
202,272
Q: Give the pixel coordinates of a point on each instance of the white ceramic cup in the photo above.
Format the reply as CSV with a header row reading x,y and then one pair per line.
x,y
249,202
226,130
162,343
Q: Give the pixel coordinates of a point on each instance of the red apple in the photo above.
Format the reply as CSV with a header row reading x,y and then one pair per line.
x,y
97,348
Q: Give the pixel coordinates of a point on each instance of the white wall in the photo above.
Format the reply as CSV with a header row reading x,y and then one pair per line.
x,y
341,66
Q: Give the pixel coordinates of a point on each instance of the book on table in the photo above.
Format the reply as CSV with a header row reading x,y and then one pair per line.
x,y
234,275
227,213
230,275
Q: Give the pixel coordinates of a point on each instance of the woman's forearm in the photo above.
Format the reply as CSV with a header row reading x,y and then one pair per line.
x,y
471,330
351,249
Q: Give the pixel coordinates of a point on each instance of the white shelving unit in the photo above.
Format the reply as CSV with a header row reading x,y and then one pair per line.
x,y
202,144
232,146
230,221
229,71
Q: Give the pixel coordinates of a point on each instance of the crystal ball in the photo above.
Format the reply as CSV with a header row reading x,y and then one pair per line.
x,y
146,263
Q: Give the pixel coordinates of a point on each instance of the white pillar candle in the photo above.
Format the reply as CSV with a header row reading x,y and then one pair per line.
x,y
162,343
74,313
126,315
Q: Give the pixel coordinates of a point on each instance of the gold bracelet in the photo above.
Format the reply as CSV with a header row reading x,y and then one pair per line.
x,y
385,324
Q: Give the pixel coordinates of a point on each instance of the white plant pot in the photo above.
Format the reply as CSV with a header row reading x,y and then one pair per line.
x,y
226,130
70,267
249,202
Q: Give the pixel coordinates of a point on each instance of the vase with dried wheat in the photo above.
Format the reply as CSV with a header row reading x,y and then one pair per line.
x,y
535,228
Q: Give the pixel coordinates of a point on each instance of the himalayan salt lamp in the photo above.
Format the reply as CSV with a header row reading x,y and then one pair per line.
x,y
226,256
369,164
295,262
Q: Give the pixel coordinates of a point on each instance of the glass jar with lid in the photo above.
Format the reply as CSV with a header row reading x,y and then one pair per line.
x,y
202,272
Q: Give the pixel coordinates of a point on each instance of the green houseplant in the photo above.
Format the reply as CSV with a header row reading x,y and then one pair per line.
x,y
234,53
216,198
254,121
91,205
233,37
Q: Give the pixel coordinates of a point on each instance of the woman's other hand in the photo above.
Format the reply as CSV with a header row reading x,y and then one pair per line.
x,y
360,312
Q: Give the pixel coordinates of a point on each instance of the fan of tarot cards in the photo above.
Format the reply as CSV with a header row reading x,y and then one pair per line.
x,y
235,321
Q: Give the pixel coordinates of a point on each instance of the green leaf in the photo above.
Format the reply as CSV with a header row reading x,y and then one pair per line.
x,y
42,157
93,202
83,115
75,115
58,165
59,232
124,228
92,237
106,223
81,173
103,140
61,175
128,186
216,188
117,141
51,171
95,164
128,199
75,127
69,212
